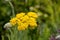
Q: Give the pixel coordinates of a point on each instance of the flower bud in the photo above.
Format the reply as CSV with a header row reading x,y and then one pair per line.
x,y
31,8
7,25
37,6
45,15
58,37
40,13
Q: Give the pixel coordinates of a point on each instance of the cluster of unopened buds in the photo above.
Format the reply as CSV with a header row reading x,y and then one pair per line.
x,y
25,20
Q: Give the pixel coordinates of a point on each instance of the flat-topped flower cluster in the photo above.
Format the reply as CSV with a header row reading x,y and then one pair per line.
x,y
25,20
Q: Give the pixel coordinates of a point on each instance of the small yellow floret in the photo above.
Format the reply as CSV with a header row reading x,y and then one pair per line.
x,y
25,25
21,28
32,19
19,15
13,21
25,18
32,14
32,22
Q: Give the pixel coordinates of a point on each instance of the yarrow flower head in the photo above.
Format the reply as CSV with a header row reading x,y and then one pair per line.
x,y
25,20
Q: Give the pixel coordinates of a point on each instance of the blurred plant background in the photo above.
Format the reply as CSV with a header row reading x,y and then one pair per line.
x,y
48,22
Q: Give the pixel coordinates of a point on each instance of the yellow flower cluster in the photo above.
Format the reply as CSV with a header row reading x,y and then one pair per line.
x,y
24,20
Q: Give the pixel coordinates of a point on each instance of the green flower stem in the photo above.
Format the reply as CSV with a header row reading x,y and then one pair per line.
x,y
2,37
8,36
15,33
53,18
11,35
52,7
57,15
38,30
12,7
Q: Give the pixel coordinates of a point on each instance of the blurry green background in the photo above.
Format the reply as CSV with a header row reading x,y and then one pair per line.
x,y
49,11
